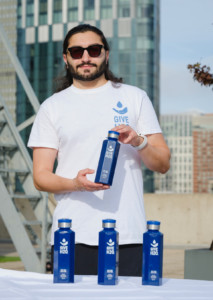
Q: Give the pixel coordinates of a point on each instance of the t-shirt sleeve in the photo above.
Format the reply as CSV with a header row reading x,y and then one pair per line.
x,y
147,121
43,133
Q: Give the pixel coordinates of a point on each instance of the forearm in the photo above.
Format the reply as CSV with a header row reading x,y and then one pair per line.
x,y
52,183
47,181
156,158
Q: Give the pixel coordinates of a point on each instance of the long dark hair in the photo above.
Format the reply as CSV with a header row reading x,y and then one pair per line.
x,y
65,81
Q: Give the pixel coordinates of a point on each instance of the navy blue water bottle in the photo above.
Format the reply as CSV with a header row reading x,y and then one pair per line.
x,y
64,252
152,254
108,253
108,159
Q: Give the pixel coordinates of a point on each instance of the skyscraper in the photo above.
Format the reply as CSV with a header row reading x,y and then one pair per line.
x,y
8,18
131,28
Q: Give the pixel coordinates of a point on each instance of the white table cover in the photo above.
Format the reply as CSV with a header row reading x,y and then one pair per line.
x,y
34,286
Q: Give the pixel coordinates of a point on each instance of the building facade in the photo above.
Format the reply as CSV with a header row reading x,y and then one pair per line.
x,y
8,19
177,130
190,139
203,153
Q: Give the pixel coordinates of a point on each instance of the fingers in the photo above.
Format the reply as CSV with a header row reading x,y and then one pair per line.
x,y
119,127
81,182
92,186
84,172
127,134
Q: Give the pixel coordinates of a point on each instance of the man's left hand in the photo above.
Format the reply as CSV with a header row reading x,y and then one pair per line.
x,y
128,135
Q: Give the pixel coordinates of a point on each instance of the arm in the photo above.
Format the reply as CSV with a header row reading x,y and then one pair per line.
x,y
155,155
46,180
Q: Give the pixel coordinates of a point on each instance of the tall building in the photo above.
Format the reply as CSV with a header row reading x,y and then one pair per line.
x,y
177,130
190,139
131,28
8,18
203,153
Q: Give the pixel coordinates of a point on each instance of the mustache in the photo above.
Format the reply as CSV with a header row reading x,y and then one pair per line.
x,y
88,64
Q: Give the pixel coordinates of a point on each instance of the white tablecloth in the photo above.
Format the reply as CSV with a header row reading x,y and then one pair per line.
x,y
26,285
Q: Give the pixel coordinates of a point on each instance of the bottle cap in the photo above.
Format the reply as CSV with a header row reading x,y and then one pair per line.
x,y
113,134
153,225
64,223
108,223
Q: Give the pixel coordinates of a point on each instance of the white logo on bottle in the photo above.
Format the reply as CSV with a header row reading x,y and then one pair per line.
x,y
154,248
110,148
64,246
109,152
64,242
154,244
110,274
110,247
63,274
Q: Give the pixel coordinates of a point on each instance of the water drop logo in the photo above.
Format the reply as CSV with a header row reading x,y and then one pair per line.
x,y
110,148
110,243
64,242
154,244
120,110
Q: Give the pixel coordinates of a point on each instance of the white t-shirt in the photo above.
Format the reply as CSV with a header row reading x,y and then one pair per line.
x,y
75,122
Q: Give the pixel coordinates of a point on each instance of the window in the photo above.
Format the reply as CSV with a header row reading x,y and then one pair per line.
x,y
72,10
57,61
42,12
57,11
123,8
30,13
124,43
145,29
89,7
106,9
124,58
43,69
19,14
143,10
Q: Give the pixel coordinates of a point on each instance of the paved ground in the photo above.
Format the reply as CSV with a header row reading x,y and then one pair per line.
x,y
173,266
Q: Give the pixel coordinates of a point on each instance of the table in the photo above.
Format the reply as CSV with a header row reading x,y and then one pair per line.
x,y
34,286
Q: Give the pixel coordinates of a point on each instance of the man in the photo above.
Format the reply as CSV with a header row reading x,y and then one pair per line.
x,y
70,127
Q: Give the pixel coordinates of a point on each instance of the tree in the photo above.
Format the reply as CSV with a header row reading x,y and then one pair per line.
x,y
201,74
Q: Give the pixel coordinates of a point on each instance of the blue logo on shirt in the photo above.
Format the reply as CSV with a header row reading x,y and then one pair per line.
x,y
120,109
119,117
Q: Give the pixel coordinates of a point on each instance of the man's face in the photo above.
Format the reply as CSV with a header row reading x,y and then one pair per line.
x,y
86,68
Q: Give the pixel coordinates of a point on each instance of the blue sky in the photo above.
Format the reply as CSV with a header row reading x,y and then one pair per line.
x,y
186,38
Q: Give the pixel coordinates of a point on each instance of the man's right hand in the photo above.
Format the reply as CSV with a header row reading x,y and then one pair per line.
x,y
81,183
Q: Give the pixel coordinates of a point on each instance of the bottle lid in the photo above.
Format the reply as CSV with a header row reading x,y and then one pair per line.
x,y
64,223
108,223
113,134
153,225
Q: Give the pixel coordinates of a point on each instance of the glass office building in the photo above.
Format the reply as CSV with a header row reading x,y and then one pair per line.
x,y
131,28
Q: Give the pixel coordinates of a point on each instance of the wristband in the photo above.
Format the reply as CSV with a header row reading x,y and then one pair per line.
x,y
143,144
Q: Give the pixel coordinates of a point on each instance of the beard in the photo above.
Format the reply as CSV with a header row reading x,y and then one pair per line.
x,y
87,76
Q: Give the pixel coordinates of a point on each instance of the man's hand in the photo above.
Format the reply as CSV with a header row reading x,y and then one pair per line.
x,y
155,155
81,183
128,135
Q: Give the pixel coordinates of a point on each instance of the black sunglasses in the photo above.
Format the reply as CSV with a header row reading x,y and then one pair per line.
x,y
93,50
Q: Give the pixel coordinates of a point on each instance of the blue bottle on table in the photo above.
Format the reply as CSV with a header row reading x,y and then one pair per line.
x,y
108,253
64,252
108,159
152,268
